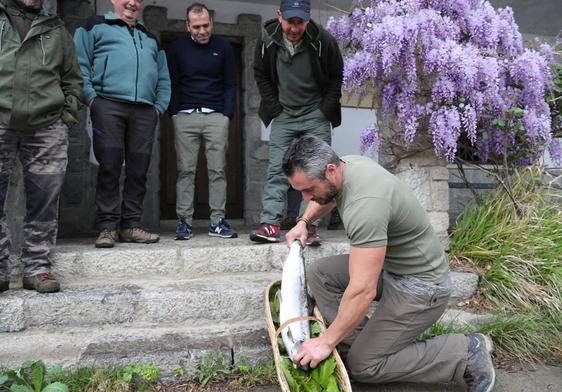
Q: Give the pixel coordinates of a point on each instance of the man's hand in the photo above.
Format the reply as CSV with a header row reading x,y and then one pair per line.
x,y
312,352
298,232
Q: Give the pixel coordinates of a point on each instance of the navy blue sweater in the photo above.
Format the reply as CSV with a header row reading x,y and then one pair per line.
x,y
202,75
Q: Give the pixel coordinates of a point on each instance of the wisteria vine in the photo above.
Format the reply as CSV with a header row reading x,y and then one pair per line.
x,y
456,67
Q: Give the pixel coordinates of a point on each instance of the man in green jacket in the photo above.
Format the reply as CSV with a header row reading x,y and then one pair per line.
x,y
39,88
299,70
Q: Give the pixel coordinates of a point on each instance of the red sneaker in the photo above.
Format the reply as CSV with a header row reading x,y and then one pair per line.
x,y
266,233
313,238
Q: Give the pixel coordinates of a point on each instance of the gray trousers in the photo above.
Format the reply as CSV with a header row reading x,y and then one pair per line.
x,y
43,154
284,130
383,348
190,130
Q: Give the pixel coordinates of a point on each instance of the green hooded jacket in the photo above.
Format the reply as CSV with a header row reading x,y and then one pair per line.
x,y
40,80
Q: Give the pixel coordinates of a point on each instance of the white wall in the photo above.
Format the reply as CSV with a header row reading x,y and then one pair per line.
x,y
346,137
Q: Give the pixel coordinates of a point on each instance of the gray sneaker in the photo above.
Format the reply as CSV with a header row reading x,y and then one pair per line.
x,y
106,239
479,375
42,283
138,235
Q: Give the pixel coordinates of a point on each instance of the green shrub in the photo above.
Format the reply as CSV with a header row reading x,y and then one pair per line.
x,y
518,252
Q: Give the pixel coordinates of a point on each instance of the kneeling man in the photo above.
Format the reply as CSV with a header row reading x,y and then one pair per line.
x,y
395,258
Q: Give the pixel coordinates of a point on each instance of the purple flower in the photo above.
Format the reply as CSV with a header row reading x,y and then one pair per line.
x,y
452,66
370,139
555,150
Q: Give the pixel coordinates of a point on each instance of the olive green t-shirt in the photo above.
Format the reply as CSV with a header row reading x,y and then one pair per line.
x,y
379,210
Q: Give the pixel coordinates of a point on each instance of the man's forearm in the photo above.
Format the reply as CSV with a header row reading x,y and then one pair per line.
x,y
316,211
352,310
365,267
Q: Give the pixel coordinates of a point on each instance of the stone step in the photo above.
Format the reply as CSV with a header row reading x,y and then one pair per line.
x,y
167,346
196,301
77,259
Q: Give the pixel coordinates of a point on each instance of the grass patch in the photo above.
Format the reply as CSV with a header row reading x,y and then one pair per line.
x,y
440,328
529,337
212,373
135,377
519,257
215,369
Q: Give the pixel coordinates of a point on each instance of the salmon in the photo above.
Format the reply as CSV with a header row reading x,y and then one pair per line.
x,y
294,300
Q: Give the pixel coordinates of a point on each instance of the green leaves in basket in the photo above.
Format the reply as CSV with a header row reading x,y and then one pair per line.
x,y
322,373
274,303
315,330
320,379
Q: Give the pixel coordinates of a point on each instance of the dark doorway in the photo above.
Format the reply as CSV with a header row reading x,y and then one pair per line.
x,y
234,156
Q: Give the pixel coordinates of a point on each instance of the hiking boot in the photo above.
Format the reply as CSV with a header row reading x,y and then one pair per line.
x,y
313,238
138,235
42,283
4,285
106,239
266,233
222,229
479,374
184,231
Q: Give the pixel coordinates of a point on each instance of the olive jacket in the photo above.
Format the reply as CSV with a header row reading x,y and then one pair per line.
x,y
40,81
326,62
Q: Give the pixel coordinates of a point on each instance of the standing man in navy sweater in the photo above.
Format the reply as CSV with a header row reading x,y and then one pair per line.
x,y
203,100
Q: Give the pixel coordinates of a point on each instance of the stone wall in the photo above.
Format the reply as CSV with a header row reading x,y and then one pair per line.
x,y
77,212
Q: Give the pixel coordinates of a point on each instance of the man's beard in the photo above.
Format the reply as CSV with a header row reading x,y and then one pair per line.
x,y
34,4
329,197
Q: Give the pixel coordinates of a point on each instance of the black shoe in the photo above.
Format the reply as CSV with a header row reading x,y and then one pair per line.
x,y
479,375
4,285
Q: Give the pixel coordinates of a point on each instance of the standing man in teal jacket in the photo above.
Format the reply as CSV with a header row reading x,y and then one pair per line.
x,y
127,87
40,86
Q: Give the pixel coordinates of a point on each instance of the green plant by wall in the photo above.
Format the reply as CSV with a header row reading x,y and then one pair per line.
x,y
31,377
211,368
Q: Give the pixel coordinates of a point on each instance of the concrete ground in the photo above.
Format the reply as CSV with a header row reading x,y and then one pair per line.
x,y
541,379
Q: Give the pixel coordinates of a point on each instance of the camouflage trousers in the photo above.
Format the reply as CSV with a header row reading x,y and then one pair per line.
x,y
43,155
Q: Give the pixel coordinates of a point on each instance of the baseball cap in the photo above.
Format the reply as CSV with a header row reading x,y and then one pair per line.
x,y
295,9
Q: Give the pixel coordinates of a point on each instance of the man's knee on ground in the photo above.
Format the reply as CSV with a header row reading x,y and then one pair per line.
x,y
363,369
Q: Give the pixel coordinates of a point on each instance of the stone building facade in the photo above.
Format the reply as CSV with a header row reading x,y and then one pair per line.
x,y
428,178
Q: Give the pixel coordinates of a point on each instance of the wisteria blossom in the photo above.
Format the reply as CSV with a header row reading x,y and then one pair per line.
x,y
451,67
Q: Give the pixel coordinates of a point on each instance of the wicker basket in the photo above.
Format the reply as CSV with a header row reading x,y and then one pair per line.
x,y
341,372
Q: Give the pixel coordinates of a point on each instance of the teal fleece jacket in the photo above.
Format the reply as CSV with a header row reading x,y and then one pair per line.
x,y
121,62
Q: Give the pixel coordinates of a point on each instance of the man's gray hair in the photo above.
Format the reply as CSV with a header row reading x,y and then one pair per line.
x,y
311,155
